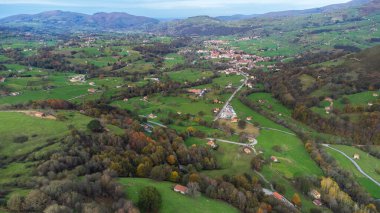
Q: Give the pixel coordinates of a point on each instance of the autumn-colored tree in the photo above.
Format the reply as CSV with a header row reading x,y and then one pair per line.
x,y
174,176
143,170
171,159
296,200
194,178
190,130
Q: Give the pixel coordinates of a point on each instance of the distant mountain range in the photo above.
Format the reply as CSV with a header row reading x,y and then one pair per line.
x,y
61,19
199,25
329,8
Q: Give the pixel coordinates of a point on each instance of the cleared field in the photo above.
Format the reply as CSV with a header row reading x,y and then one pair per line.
x,y
173,59
306,81
173,201
34,88
270,103
189,75
162,105
367,162
223,81
358,99
36,129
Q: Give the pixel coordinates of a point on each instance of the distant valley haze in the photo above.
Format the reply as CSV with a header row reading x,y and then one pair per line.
x,y
161,9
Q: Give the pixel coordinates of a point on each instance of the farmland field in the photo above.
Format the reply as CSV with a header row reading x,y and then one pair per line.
x,y
270,103
189,75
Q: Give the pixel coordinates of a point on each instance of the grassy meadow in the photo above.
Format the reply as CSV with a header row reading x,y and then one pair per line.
x,y
173,201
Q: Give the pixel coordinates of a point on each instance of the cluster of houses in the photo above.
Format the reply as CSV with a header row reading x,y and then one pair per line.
x,y
78,79
316,196
247,38
152,79
198,92
238,59
228,113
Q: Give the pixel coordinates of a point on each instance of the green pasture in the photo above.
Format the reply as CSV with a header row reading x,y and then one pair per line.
x,y
172,201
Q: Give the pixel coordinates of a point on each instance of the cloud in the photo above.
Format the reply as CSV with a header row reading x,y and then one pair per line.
x,y
38,2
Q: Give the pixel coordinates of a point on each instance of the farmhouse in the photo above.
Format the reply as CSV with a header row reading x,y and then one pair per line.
x,y
125,99
247,150
181,189
195,91
14,93
91,90
249,118
92,83
212,144
375,95
234,120
39,114
78,79
2,79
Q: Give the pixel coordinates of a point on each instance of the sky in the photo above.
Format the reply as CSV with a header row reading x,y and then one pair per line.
x,y
160,8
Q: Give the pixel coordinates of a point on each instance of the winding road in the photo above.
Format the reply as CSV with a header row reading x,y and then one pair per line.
x,y
355,164
232,142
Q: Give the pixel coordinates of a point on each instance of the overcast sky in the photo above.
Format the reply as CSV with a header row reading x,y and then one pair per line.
x,y
160,8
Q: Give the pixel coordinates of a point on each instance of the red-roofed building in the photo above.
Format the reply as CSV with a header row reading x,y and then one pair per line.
x,y
278,196
317,202
181,189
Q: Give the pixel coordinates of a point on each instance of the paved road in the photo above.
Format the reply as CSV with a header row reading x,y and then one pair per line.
x,y
76,97
232,96
232,142
158,124
355,164
266,191
152,122
289,133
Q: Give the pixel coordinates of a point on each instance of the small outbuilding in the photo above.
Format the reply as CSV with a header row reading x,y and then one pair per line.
x,y
315,194
317,202
356,156
181,189
274,159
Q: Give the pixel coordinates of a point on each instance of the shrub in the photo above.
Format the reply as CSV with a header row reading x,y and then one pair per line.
x,y
149,199
277,148
21,139
95,126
